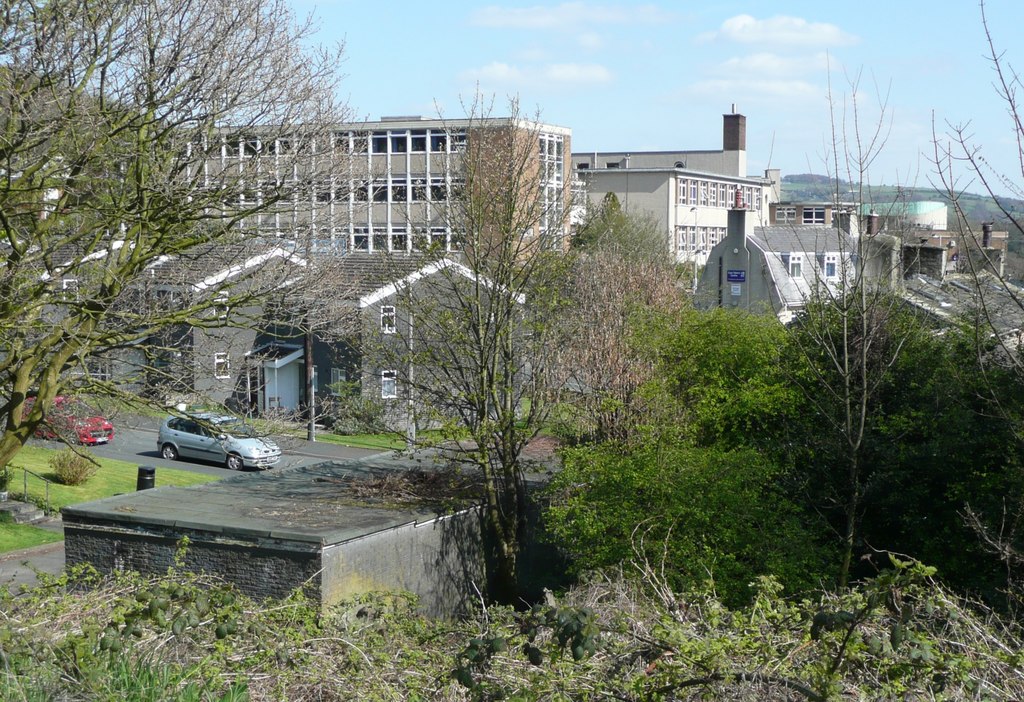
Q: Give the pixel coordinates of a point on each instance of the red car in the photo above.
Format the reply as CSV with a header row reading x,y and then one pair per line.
x,y
72,420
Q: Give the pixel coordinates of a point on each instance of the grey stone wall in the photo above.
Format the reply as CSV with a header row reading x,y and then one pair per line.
x,y
440,561
259,568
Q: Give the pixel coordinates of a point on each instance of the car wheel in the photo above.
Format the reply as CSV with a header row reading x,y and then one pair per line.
x,y
169,452
235,462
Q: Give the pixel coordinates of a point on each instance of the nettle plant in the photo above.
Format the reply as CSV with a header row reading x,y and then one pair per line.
x,y
546,632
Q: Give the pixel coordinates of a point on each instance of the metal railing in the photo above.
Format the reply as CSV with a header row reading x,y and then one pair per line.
x,y
25,472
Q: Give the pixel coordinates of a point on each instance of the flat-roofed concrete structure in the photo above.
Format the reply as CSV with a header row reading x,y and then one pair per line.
x,y
270,533
687,193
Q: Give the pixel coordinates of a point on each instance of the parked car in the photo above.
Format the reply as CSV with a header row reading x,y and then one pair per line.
x,y
70,419
217,438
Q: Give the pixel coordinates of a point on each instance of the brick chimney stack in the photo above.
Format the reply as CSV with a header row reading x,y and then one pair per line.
x,y
734,132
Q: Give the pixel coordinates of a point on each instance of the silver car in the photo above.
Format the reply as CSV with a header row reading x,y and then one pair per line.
x,y
217,438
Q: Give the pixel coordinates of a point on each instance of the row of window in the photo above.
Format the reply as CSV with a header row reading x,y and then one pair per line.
x,y
395,189
709,193
828,264
398,239
699,238
808,215
324,239
388,378
435,189
398,141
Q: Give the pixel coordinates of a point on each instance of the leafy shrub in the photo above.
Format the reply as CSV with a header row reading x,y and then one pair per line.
x,y
349,412
69,468
705,515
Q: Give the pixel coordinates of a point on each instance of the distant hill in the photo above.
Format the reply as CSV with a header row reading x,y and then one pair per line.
x,y
811,187
978,208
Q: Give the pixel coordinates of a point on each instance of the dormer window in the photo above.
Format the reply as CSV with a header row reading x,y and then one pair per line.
x,y
831,266
796,265
221,305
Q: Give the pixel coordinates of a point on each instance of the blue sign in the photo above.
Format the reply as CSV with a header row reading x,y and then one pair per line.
x,y
734,276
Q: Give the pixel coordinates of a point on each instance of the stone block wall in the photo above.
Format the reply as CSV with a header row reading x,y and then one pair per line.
x,y
260,567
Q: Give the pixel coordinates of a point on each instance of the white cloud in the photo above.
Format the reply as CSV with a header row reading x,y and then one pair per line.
x,y
577,73
564,75
533,54
591,41
566,16
781,30
497,71
772,65
780,88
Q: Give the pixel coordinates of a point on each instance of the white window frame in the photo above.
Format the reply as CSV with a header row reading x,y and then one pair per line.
x,y
388,319
388,385
813,215
69,288
796,265
222,365
831,260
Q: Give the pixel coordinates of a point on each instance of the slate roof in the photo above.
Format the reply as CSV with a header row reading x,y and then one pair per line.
x,y
311,504
958,296
358,273
807,238
810,240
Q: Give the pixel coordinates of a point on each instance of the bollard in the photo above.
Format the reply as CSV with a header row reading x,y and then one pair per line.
x,y
146,479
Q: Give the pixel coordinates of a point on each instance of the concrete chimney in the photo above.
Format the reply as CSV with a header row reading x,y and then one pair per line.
x,y
986,234
734,132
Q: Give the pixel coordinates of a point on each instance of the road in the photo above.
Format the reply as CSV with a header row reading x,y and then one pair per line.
x,y
136,443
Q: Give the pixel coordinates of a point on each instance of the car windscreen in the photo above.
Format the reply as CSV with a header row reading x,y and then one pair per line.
x,y
237,429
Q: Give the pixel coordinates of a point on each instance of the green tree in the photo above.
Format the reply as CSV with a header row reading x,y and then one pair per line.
x,y
720,381
129,136
703,516
616,275
927,448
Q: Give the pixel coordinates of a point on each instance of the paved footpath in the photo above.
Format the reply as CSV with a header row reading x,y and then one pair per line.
x,y
20,567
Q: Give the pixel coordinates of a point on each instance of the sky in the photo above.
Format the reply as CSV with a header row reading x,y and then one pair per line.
x,y
655,76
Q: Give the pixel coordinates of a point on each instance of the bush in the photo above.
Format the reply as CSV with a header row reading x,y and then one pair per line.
x,y
707,517
349,412
69,468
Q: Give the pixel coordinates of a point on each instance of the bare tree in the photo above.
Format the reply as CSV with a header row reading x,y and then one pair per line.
x,y
619,271
474,338
133,134
846,336
960,167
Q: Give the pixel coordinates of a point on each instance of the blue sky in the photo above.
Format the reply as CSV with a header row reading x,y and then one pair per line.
x,y
659,75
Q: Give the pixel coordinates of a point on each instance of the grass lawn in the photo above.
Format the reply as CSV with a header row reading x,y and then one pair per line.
x,y
384,442
17,536
111,478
